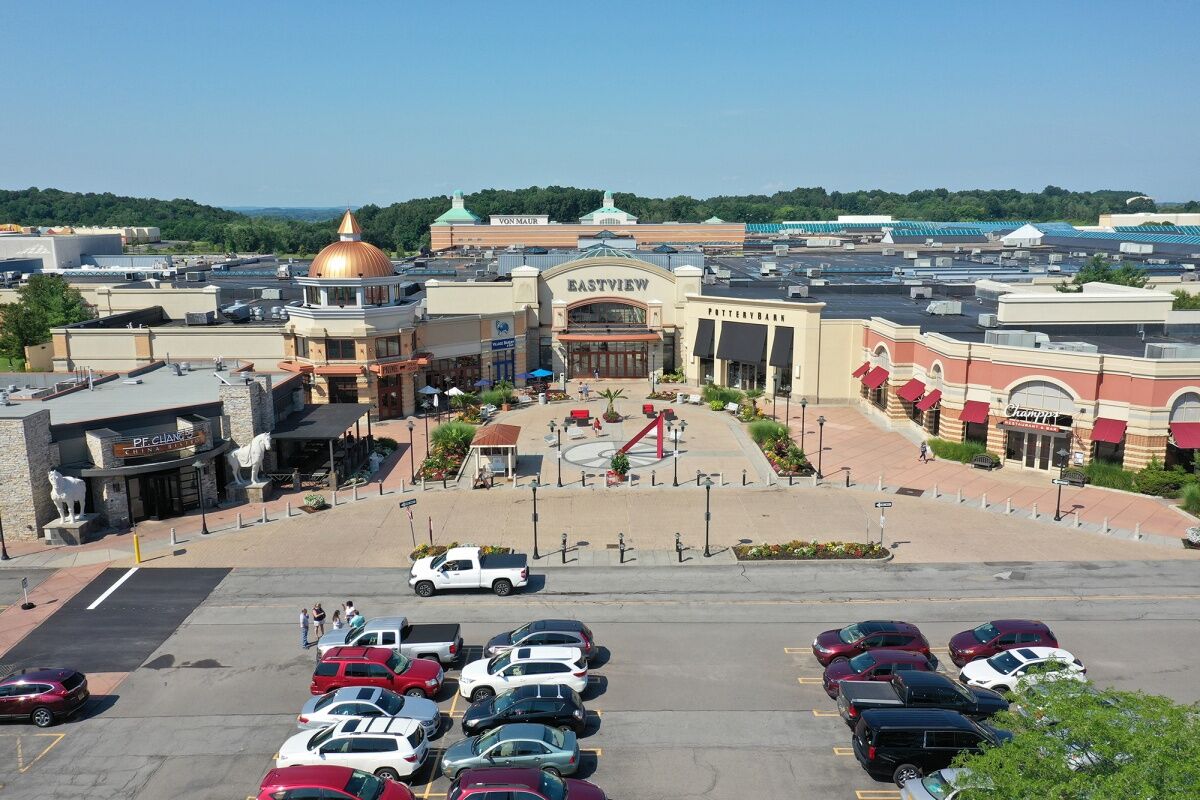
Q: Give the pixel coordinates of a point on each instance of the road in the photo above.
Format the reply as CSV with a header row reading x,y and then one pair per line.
x,y
706,688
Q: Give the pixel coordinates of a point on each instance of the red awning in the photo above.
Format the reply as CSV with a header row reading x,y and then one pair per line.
x,y
340,370
875,378
974,411
911,391
1186,435
930,400
1108,430
858,373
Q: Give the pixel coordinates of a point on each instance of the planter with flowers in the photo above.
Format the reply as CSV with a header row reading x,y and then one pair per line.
x,y
618,468
797,550
1191,538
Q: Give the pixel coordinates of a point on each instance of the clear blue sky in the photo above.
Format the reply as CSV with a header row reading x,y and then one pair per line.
x,y
307,103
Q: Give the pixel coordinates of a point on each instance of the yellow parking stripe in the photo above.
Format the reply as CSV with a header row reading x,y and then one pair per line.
x,y
877,794
796,650
810,681
598,752
817,712
843,751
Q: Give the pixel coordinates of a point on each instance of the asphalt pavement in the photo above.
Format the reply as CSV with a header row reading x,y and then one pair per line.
x,y
708,687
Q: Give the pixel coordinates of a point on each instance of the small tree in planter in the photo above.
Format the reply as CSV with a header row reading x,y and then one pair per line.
x,y
612,396
315,500
618,467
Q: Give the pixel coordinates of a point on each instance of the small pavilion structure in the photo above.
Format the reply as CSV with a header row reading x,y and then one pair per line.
x,y
496,446
319,441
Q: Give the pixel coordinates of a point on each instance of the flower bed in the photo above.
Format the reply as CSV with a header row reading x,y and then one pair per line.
x,y
662,395
426,550
797,550
781,451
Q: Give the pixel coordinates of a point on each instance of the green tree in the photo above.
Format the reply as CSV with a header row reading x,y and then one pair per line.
x,y
612,396
1099,269
44,302
1072,742
20,326
1185,301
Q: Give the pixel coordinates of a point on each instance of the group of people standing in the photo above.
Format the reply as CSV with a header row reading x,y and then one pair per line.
x,y
314,620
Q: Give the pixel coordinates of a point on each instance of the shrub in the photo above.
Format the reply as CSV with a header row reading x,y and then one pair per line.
x,y
465,400
315,500
958,451
611,416
763,431
619,463
496,396
1109,475
716,405
1156,480
673,377
453,437
385,441
1191,499
797,549
722,394
612,396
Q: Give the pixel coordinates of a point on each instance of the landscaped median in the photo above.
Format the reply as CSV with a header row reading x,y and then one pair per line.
x,y
797,550
427,550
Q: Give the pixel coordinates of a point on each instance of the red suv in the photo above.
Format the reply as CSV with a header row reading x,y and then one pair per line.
x,y
870,635
874,665
376,666
340,783
42,696
527,783
999,634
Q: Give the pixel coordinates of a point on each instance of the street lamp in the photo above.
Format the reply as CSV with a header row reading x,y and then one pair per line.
x,y
820,445
803,409
707,512
1062,466
199,467
555,429
3,548
412,457
426,405
787,410
534,485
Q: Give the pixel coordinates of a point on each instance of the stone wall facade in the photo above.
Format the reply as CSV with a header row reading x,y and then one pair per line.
x,y
249,410
27,455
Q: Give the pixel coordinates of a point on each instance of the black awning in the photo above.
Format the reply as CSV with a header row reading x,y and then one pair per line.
x,y
704,339
742,341
321,422
781,347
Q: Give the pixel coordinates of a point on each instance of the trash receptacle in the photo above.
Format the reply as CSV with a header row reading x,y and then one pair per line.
x,y
541,398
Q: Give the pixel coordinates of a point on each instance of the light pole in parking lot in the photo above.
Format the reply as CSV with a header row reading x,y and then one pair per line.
x,y
555,429
534,485
820,445
707,512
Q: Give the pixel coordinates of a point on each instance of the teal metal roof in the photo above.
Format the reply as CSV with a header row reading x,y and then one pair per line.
x,y
603,251
456,215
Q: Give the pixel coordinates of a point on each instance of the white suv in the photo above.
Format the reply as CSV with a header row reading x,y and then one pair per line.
x,y
524,666
390,748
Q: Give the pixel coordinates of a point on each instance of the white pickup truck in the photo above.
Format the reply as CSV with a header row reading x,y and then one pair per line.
x,y
438,641
465,568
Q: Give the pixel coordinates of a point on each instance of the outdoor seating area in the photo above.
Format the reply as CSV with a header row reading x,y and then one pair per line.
x,y
579,416
325,442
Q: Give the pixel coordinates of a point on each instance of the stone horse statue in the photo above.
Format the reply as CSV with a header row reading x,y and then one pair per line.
x,y
249,456
66,492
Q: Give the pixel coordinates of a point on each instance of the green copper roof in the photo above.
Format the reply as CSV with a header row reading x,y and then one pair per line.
x,y
714,221
456,215
603,251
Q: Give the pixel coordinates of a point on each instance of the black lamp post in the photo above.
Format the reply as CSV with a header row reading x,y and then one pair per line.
x,y
820,445
3,548
1062,467
707,512
534,485
787,410
199,467
426,404
803,409
412,457
774,397
555,429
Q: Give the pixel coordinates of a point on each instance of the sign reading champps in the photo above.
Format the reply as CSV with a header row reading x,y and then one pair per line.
x,y
165,442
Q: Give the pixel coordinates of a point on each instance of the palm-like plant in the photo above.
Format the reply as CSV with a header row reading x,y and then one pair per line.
x,y
464,400
612,396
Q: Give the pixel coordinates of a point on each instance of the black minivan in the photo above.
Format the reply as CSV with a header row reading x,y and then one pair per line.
x,y
550,704
903,744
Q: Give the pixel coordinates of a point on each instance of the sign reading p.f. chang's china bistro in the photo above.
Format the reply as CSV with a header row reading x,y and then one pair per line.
x,y
155,443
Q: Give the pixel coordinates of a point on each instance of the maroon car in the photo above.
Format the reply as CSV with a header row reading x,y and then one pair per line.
x,y
874,665
1000,634
376,666
42,696
527,783
872,634
328,781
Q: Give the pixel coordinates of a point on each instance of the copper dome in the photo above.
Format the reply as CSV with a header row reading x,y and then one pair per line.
x,y
351,257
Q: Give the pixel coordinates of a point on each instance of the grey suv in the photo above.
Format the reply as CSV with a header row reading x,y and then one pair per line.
x,y
561,632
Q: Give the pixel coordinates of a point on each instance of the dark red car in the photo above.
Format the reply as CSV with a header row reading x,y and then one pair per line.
x,y
42,696
999,634
872,634
527,783
336,783
376,666
873,665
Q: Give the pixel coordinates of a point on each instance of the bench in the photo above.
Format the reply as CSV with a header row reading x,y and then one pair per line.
x,y
984,461
487,411
732,408
579,416
695,399
648,409
575,433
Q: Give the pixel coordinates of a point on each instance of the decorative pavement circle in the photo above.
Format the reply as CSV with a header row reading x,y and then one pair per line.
x,y
598,454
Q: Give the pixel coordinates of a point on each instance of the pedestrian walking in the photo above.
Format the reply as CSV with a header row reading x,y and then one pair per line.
x,y
318,620
596,425
585,391
924,453
336,619
348,609
304,628
596,374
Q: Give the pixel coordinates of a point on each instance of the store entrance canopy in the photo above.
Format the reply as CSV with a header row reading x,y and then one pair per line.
x,y
322,422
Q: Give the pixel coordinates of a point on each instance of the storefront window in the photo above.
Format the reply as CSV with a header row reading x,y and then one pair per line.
x,y
706,370
462,372
376,295
976,432
606,314
342,296
741,375
879,397
546,352
668,351
387,347
301,347
339,349
312,295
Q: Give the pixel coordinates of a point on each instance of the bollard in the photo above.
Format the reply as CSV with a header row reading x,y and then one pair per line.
x,y
652,478
958,496
935,492
444,481
380,482
790,476
720,479
239,521
422,483
697,477
620,548
1105,528
354,493
137,550
173,540
983,501
264,514
402,486
879,484
1033,515
814,481
1008,505
847,479
289,509
582,479
564,547
743,477
1137,530
333,497
1075,523
678,547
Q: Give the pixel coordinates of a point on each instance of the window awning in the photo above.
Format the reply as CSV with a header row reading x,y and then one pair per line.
x,y
1108,430
704,339
325,421
1186,435
911,391
930,400
863,370
781,348
343,370
974,411
742,341
875,378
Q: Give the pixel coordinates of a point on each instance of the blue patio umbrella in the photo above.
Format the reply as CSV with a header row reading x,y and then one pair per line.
x,y
482,382
522,375
541,373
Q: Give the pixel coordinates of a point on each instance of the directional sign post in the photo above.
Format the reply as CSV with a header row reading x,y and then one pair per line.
x,y
1059,482
883,506
25,591
407,505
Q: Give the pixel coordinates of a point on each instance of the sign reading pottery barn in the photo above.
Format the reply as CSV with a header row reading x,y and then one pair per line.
x,y
155,443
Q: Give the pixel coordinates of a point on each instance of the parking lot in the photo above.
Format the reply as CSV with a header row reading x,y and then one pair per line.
x,y
706,686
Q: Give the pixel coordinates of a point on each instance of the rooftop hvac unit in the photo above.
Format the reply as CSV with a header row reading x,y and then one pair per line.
x,y
1157,261
1020,254
818,282
1078,254
200,318
1137,248
988,321
1172,350
976,251
812,272
238,312
887,251
944,308
848,246
1053,268
920,293
1188,277
195,277
958,249
910,254
943,261
1055,258
923,263
797,291
1010,338
1070,347
929,241
779,249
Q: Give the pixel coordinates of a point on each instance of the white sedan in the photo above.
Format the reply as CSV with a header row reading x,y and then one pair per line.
x,y
392,748
1024,665
524,666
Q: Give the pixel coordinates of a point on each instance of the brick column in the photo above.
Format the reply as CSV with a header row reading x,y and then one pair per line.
x,y
250,410
995,439
953,428
26,456
896,412
1140,449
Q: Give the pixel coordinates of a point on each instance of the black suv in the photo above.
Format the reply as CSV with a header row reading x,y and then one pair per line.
x,y
903,744
556,706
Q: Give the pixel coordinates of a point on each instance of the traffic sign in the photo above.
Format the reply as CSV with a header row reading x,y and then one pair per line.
x,y
409,502
883,504
1061,482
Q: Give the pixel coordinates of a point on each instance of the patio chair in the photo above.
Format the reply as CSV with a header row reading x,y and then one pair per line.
x,y
695,399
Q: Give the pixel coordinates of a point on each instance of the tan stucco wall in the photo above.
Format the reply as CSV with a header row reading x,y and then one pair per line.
x,y
455,297
108,300
119,350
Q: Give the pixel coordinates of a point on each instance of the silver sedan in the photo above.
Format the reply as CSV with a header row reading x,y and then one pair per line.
x,y
521,745
368,702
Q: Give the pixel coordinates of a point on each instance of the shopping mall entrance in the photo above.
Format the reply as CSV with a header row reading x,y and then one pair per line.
x,y
609,359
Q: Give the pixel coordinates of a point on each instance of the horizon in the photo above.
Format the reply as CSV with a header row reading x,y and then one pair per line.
x,y
300,103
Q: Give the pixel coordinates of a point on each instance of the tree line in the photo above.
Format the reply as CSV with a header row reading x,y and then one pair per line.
x,y
404,227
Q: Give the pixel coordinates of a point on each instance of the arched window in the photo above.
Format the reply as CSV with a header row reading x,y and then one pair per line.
x,y
1186,408
1042,396
606,313
935,377
882,359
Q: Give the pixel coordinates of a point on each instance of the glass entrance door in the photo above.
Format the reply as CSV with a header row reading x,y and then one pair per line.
x,y
609,359
155,496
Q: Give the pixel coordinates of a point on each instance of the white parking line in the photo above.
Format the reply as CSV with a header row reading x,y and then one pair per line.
x,y
113,588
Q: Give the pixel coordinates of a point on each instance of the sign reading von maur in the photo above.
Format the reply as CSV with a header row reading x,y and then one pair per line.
x,y
523,219
608,285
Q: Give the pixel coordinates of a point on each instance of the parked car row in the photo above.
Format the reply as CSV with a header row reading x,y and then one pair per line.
x,y
368,725
908,719
42,696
